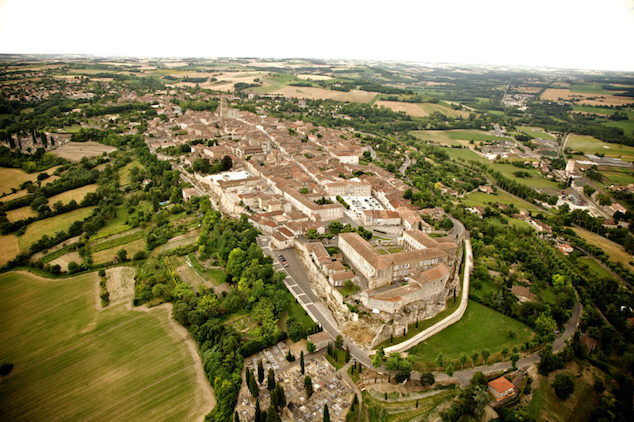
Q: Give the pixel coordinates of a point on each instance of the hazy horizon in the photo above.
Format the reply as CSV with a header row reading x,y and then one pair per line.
x,y
567,34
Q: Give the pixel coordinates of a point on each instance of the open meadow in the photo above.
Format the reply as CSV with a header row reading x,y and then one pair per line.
x,y
482,199
590,145
76,194
74,361
480,327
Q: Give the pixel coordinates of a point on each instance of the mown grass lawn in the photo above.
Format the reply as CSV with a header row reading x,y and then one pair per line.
x,y
75,362
536,180
480,327
596,268
482,199
615,251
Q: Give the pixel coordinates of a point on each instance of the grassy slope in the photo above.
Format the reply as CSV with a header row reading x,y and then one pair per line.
x,y
73,362
535,181
480,199
614,250
51,225
76,194
596,268
479,328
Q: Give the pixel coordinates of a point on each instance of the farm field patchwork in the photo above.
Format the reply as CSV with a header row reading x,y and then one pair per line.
x,y
585,98
108,255
413,109
76,194
13,178
114,363
51,225
618,177
20,213
536,132
479,328
75,151
325,94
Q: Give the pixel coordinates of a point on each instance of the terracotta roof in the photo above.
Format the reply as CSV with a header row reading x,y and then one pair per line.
x,y
342,275
501,385
432,274
422,238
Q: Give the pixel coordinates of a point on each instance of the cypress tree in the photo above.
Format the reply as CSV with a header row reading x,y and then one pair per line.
x,y
326,413
270,380
260,371
301,361
258,412
236,417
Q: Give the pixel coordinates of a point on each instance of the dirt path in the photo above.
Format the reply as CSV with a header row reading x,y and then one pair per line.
x,y
55,248
205,401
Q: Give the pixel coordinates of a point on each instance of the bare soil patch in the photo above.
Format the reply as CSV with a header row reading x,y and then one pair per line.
x,y
66,259
75,151
326,94
555,94
120,284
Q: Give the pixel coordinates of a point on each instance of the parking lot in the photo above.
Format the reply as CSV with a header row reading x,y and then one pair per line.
x,y
358,204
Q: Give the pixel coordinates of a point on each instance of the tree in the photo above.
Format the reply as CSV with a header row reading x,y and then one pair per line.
x,y
514,358
326,413
236,417
226,163
449,371
280,396
485,355
301,362
270,380
347,355
260,371
258,412
122,255
427,378
604,199
310,347
474,357
439,360
308,386
339,342
463,359
588,190
251,384
271,414
505,352
564,386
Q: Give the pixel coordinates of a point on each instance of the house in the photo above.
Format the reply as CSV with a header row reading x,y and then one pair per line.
x,y
565,248
188,193
320,340
501,388
523,293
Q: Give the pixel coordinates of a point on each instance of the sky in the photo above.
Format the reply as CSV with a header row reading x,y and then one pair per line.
x,y
574,34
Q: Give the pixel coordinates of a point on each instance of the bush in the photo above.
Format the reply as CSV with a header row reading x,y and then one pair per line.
x,y
5,369
563,386
139,255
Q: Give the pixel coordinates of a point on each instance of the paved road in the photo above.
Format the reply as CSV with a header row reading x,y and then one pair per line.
x,y
464,376
298,283
405,165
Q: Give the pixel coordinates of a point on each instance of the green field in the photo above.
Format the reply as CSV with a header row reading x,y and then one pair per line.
x,y
626,125
481,199
535,181
124,172
590,88
622,177
51,225
464,154
453,137
614,250
74,362
545,404
596,268
536,132
591,145
119,223
480,327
